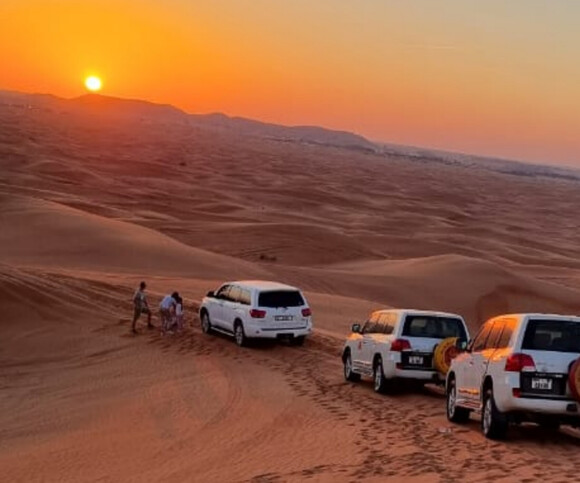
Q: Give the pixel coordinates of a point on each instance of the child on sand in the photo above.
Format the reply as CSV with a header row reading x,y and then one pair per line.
x,y
167,310
140,306
179,315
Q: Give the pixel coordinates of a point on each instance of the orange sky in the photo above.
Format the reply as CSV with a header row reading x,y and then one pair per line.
x,y
498,78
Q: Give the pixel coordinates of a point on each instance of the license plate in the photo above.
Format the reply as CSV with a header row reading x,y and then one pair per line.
x,y
416,360
283,318
542,384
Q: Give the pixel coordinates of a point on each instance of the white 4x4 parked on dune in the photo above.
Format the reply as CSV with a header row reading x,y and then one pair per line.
x,y
396,344
518,368
257,309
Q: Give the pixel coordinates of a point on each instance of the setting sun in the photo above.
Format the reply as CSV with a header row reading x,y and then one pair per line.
x,y
93,83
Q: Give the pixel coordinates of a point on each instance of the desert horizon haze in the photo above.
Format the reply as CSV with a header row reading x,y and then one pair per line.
x,y
497,79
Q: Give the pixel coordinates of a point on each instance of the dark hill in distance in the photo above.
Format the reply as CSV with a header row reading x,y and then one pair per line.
x,y
134,110
144,111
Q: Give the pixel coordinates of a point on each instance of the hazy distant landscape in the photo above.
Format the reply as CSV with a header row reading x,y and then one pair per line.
x,y
98,193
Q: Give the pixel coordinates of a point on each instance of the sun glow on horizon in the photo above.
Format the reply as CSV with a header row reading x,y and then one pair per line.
x,y
93,83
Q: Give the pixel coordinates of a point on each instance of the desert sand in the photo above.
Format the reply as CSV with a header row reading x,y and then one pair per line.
x,y
97,194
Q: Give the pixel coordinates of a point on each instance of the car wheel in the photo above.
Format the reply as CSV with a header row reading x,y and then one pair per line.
x,y
240,335
493,422
381,384
205,323
455,414
349,375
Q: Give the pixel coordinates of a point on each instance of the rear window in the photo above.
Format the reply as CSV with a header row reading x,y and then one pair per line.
x,y
552,335
280,298
433,327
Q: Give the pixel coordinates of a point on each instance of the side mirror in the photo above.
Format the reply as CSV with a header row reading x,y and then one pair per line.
x,y
210,294
461,345
356,328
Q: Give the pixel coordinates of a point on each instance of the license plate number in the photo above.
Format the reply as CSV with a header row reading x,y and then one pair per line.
x,y
283,318
416,360
542,384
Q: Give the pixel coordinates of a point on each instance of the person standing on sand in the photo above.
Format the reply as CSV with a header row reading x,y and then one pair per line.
x,y
141,307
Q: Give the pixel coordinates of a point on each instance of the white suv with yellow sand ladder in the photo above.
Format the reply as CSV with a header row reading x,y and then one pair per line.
x,y
401,344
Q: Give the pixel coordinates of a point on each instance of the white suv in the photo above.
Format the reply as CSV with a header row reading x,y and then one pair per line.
x,y
399,344
517,369
257,309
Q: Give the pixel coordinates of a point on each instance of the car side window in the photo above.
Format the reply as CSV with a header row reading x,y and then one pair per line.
x,y
234,294
223,292
245,297
387,324
494,335
481,338
506,335
369,327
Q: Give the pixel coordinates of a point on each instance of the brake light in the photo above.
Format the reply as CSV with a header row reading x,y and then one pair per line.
x,y
257,314
399,345
520,363
306,312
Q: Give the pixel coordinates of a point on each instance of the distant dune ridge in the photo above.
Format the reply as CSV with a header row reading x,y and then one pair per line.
x,y
98,193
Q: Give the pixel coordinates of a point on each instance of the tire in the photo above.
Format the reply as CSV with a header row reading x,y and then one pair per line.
x,y
349,375
240,335
455,414
493,423
380,384
298,341
205,323
574,379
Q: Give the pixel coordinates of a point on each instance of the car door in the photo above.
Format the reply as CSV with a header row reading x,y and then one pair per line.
x,y
230,308
481,354
369,342
216,312
355,344
464,365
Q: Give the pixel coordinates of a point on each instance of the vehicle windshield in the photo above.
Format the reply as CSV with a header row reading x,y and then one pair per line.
x,y
280,298
433,327
552,335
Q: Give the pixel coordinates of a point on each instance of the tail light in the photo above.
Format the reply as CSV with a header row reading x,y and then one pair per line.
x,y
520,363
306,312
257,314
399,345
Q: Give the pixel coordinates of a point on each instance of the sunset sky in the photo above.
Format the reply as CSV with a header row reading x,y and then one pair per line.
x,y
488,77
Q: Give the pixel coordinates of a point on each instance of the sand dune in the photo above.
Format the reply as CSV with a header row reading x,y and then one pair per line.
x,y
52,235
478,289
97,194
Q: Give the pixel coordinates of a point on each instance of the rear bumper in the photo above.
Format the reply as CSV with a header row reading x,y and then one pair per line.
x,y
256,331
531,403
562,407
423,375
